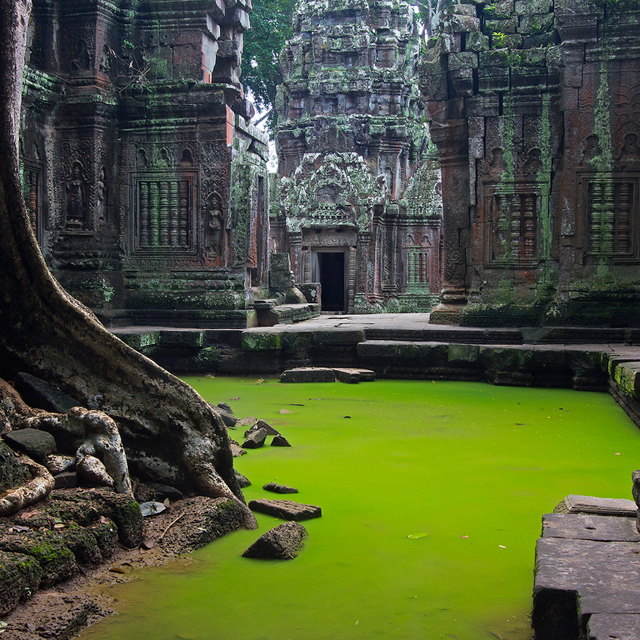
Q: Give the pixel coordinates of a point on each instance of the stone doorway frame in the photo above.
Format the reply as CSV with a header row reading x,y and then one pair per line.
x,y
315,270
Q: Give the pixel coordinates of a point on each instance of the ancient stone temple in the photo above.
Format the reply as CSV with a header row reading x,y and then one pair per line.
x,y
535,111
359,207
146,185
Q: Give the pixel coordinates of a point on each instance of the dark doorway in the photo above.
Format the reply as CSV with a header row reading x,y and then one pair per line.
x,y
332,280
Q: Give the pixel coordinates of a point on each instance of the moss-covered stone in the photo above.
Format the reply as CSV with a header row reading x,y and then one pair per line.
x,y
20,576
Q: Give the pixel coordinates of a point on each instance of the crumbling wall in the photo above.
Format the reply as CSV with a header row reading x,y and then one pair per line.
x,y
533,107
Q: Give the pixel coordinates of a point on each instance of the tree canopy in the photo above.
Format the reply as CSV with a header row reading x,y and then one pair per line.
x,y
271,27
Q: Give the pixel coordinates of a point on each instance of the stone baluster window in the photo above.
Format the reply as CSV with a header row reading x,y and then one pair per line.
x,y
610,204
164,212
513,222
417,268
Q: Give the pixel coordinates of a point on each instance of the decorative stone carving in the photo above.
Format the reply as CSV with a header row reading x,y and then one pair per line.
x,y
351,153
132,110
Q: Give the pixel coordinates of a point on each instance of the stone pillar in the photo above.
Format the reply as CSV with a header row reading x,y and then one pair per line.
x,y
451,141
295,244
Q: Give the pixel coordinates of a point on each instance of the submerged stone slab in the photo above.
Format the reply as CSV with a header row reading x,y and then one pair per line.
x,y
352,376
598,506
308,374
285,509
282,543
279,488
590,527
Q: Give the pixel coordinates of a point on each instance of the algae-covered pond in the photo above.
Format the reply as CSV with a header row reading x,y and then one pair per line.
x,y
432,495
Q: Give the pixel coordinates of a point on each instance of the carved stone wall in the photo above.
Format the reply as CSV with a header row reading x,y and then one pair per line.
x,y
132,139
534,108
353,154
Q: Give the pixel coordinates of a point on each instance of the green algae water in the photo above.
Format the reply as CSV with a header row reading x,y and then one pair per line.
x,y
432,495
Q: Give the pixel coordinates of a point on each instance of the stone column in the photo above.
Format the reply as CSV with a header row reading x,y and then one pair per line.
x,y
452,142
295,244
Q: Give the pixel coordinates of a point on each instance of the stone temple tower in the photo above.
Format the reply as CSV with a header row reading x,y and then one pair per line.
x,y
359,208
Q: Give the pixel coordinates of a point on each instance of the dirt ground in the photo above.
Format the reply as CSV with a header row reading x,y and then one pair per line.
x,y
62,612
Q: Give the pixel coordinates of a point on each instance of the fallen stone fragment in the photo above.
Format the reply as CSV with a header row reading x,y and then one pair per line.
x,y
282,543
35,443
237,450
255,439
66,480
92,470
262,424
280,441
285,411
308,374
279,488
285,509
249,421
243,481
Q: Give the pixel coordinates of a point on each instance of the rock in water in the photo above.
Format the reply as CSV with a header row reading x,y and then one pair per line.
x,y
243,481
280,441
279,488
255,439
285,509
262,424
282,543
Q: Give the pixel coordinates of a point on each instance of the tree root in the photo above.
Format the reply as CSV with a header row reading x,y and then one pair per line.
x,y
38,488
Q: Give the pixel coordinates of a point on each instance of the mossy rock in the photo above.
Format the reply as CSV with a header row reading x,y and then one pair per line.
x,y
83,544
125,512
56,560
20,576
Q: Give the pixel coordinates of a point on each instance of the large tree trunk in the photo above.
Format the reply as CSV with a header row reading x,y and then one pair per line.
x,y
44,332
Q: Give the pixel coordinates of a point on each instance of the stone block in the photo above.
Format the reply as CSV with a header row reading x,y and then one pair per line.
x,y
261,341
462,82
590,527
463,60
499,26
286,509
463,355
353,376
535,23
496,58
527,7
502,359
501,9
461,24
342,337
605,626
465,10
484,106
528,78
477,41
308,374
35,443
499,82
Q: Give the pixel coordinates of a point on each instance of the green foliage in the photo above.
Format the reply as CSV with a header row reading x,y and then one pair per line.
x,y
271,27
